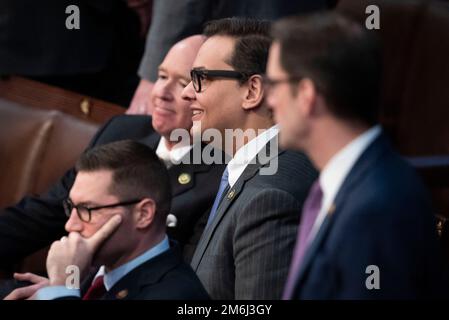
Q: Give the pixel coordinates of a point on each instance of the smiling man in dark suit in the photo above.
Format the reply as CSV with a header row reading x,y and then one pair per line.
x,y
36,221
245,249
367,229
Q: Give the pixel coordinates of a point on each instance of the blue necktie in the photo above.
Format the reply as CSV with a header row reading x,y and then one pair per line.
x,y
224,184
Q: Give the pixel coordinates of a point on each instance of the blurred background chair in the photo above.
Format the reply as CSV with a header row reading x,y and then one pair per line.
x,y
43,130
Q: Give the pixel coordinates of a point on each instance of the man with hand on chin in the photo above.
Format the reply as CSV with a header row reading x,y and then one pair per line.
x,y
38,220
75,250
117,210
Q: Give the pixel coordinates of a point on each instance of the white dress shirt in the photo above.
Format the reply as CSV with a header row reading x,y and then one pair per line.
x,y
337,169
173,156
247,153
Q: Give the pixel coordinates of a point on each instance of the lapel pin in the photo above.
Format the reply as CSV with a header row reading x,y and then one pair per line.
x,y
231,194
172,221
122,294
184,178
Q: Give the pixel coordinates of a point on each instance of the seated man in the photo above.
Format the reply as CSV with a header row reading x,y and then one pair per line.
x,y
36,221
117,210
367,230
245,250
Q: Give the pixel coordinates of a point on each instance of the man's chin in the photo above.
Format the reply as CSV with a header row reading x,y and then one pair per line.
x,y
196,130
285,141
98,261
103,257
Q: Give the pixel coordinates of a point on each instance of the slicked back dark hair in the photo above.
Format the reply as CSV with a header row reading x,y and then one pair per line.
x,y
252,43
137,172
339,56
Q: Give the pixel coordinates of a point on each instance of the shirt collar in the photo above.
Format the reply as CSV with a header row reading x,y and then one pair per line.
x,y
338,167
112,277
175,155
248,152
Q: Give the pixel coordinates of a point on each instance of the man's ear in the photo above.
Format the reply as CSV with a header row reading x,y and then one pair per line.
x,y
146,210
307,97
254,93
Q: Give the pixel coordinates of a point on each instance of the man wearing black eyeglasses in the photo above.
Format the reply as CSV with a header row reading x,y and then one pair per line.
x,y
37,220
245,250
122,179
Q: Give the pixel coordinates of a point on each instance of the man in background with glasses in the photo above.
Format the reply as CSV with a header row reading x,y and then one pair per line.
x,y
367,229
245,249
124,179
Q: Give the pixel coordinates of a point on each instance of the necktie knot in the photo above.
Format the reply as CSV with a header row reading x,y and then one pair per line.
x,y
96,290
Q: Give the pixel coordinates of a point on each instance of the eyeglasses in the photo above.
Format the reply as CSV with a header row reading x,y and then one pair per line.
x,y
85,213
271,83
198,75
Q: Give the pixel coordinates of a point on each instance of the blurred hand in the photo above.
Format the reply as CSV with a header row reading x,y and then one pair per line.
x,y
141,102
28,291
76,250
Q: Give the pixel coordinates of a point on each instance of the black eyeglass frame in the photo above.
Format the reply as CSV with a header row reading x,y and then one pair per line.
x,y
198,74
69,206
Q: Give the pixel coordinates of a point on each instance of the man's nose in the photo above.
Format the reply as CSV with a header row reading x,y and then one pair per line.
x,y
74,224
188,93
163,91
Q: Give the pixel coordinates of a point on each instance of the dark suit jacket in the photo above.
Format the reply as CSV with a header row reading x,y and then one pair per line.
x,y
37,221
245,253
164,277
381,216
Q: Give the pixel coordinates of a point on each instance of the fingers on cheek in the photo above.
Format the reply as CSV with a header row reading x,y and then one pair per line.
x,y
56,247
52,247
74,236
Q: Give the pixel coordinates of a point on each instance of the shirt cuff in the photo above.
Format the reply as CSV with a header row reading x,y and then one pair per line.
x,y
55,292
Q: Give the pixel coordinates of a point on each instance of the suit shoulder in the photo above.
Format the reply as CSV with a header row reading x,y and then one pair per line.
x,y
125,127
296,163
128,120
291,172
394,175
178,283
391,185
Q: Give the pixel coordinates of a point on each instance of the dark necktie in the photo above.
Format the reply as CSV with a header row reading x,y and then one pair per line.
x,y
96,290
312,207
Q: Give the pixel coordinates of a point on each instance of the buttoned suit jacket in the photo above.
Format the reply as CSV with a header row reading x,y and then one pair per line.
x,y
245,252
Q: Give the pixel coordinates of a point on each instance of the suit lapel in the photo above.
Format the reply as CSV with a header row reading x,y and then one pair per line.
x,y
314,246
152,140
226,202
368,159
182,176
87,282
148,273
233,193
